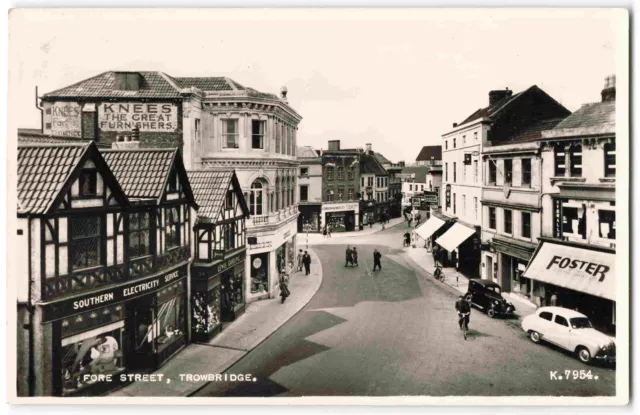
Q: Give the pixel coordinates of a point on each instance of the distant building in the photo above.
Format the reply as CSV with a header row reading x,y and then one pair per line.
x,y
340,186
309,189
429,155
374,182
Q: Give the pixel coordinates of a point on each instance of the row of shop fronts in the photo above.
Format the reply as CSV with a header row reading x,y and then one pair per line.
x,y
342,217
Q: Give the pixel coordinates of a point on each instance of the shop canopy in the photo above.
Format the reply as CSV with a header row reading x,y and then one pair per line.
x,y
429,227
456,235
579,269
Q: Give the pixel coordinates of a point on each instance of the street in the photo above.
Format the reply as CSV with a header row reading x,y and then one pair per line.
x,y
395,332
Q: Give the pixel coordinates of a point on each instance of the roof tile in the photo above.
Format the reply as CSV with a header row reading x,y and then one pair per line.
x,y
141,173
209,190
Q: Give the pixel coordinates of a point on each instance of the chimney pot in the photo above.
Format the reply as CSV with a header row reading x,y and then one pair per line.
x,y
455,124
368,147
496,96
283,92
609,91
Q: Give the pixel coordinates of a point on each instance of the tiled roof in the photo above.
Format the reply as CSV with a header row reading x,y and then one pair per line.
x,y
306,152
532,132
35,136
42,172
429,153
215,83
381,159
141,173
369,165
591,115
419,171
209,189
492,109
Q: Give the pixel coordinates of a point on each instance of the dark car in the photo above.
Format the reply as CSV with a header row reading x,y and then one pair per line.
x,y
487,295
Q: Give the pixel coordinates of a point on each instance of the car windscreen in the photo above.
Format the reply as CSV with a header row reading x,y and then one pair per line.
x,y
580,323
493,288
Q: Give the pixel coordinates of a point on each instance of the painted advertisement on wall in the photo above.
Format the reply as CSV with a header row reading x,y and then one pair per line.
x,y
63,119
147,116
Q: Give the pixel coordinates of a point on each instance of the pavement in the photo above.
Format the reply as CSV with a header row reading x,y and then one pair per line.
x,y
341,237
259,321
394,332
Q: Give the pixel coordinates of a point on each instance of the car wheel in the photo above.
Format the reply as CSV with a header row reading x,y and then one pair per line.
x,y
535,336
584,354
491,312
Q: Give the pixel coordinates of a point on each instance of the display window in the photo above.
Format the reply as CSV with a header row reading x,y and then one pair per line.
x,y
90,355
206,311
259,273
232,289
280,259
290,254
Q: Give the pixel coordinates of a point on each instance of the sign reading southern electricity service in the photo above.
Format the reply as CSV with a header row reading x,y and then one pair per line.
x,y
151,117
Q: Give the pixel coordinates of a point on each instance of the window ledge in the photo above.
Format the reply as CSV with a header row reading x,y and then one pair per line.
x,y
567,179
607,179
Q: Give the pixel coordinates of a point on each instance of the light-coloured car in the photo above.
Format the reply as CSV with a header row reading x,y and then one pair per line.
x,y
571,331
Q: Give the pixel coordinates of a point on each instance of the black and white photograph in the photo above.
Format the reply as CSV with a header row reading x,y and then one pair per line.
x,y
318,206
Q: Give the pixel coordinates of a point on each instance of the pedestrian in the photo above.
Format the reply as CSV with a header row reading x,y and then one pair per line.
x,y
554,299
418,218
329,230
284,286
407,239
382,221
300,264
324,231
348,257
306,260
409,220
371,220
354,255
376,259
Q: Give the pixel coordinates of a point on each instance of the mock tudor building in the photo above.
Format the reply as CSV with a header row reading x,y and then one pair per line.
x,y
456,230
104,239
575,257
217,123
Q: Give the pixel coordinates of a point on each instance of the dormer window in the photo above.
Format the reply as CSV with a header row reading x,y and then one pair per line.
x,y
88,183
128,81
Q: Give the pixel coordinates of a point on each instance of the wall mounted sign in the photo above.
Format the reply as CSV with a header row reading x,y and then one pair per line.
x,y
448,196
150,117
65,119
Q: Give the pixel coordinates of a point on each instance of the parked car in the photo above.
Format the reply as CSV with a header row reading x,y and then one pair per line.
x,y
571,331
487,295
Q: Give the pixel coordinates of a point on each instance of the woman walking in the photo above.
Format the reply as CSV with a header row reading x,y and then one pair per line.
x,y
284,286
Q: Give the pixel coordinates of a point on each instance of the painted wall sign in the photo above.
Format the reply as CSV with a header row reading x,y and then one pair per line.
x,y
79,304
340,207
150,117
65,119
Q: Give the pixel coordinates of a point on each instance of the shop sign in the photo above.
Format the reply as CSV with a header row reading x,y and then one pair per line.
x,y
261,245
66,119
150,117
78,304
340,207
286,234
229,263
431,197
448,196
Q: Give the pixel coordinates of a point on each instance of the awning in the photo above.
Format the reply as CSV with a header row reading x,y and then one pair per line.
x,y
579,269
456,235
429,227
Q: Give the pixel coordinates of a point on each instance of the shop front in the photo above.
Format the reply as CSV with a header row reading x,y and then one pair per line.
x,y
459,247
513,257
576,276
342,217
217,295
100,337
309,218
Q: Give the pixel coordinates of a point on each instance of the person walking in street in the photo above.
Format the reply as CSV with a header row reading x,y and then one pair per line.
x,y
409,220
284,287
329,230
407,239
348,257
324,231
306,260
354,255
418,218
376,259
383,223
300,264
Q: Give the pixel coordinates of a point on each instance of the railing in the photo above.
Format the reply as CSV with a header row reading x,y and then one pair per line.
x,y
82,280
260,220
274,217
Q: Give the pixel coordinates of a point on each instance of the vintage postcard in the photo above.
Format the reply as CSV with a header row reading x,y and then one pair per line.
x,y
398,206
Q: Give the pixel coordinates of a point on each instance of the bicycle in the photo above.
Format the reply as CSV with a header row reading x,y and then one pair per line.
x,y
465,324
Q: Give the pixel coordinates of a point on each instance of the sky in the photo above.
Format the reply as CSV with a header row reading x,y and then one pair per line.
x,y
397,79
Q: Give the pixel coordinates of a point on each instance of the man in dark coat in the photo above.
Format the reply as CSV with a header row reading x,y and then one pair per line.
x,y
376,259
354,255
306,260
348,257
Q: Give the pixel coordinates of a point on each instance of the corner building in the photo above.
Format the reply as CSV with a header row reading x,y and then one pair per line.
x,y
217,123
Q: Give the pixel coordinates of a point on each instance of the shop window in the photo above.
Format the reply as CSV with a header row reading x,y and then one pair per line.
x,y
139,234
304,193
545,315
229,199
493,172
573,222
86,242
610,160
304,171
508,223
93,352
526,224
340,173
329,173
351,193
172,227
256,199
351,173
492,218
508,171
257,134
560,162
259,273
206,311
88,181
561,321
575,159
607,224
230,133
526,172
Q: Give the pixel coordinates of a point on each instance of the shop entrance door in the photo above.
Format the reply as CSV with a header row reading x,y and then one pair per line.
x,y
505,265
489,275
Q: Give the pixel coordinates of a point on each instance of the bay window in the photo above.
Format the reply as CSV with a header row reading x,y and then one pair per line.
x,y
172,227
139,234
85,243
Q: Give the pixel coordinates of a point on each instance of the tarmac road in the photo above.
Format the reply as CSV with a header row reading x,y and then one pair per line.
x,y
395,332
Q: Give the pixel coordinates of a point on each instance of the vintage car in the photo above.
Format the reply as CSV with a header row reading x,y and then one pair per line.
x,y
571,331
487,295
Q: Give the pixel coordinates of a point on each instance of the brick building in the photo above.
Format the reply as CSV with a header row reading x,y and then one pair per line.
x,y
310,189
340,188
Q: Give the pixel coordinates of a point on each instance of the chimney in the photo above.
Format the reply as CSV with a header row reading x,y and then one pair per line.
x,y
127,141
455,124
283,93
368,148
609,91
498,95
334,145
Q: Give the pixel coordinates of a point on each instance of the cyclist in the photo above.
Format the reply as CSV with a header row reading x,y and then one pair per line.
x,y
463,307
